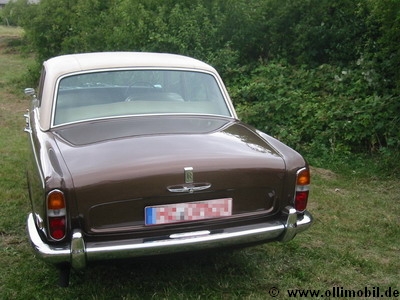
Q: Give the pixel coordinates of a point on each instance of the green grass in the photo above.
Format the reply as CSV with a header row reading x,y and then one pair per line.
x,y
354,242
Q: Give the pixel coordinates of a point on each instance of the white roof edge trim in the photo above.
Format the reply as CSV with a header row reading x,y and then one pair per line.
x,y
69,64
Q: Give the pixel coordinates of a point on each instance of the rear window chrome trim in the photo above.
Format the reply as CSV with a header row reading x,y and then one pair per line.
x,y
218,80
139,115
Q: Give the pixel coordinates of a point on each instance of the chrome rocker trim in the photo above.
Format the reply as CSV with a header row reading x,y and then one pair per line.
x,y
78,253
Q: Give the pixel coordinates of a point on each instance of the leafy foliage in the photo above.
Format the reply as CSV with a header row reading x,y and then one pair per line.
x,y
320,75
322,111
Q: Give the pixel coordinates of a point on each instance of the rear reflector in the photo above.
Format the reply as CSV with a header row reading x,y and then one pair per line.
x,y
300,203
57,227
302,189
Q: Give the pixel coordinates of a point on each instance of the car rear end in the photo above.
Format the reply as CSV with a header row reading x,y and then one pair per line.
x,y
166,170
147,194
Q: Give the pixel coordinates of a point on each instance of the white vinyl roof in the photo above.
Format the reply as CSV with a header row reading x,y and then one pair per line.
x,y
64,65
61,65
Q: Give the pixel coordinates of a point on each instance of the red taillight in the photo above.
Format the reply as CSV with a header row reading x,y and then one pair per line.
x,y
56,215
57,227
302,189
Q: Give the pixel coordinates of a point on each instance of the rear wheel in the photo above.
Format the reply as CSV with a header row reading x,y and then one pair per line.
x,y
64,274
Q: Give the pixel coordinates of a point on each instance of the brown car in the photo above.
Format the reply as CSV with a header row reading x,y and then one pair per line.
x,y
138,154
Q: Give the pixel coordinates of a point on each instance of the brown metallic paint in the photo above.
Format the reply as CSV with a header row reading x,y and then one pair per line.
x,y
116,173
111,160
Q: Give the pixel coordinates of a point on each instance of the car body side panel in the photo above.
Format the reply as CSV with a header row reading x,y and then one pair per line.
x,y
45,171
35,176
293,160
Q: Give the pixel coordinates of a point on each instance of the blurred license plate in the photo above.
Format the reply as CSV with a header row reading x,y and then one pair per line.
x,y
185,212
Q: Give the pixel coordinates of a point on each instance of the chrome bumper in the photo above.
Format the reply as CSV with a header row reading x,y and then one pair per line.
x,y
78,252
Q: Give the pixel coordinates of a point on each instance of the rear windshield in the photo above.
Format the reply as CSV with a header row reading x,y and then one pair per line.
x,y
110,94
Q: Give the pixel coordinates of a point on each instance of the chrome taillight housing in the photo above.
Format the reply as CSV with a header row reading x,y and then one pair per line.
x,y
302,189
56,215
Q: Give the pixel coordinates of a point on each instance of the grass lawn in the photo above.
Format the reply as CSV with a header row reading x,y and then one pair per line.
x,y
354,243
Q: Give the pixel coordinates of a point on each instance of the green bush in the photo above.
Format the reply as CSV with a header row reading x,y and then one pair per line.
x,y
322,111
320,75
309,32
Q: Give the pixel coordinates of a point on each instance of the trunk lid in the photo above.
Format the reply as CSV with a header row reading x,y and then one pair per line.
x,y
119,167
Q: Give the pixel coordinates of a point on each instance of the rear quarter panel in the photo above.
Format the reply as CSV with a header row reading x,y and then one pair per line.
x,y
293,162
45,170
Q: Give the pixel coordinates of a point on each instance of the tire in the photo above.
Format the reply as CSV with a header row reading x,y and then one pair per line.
x,y
64,274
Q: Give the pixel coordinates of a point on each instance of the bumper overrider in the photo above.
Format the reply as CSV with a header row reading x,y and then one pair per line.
x,y
78,253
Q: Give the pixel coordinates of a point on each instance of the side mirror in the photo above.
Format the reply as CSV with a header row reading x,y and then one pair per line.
x,y
30,91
